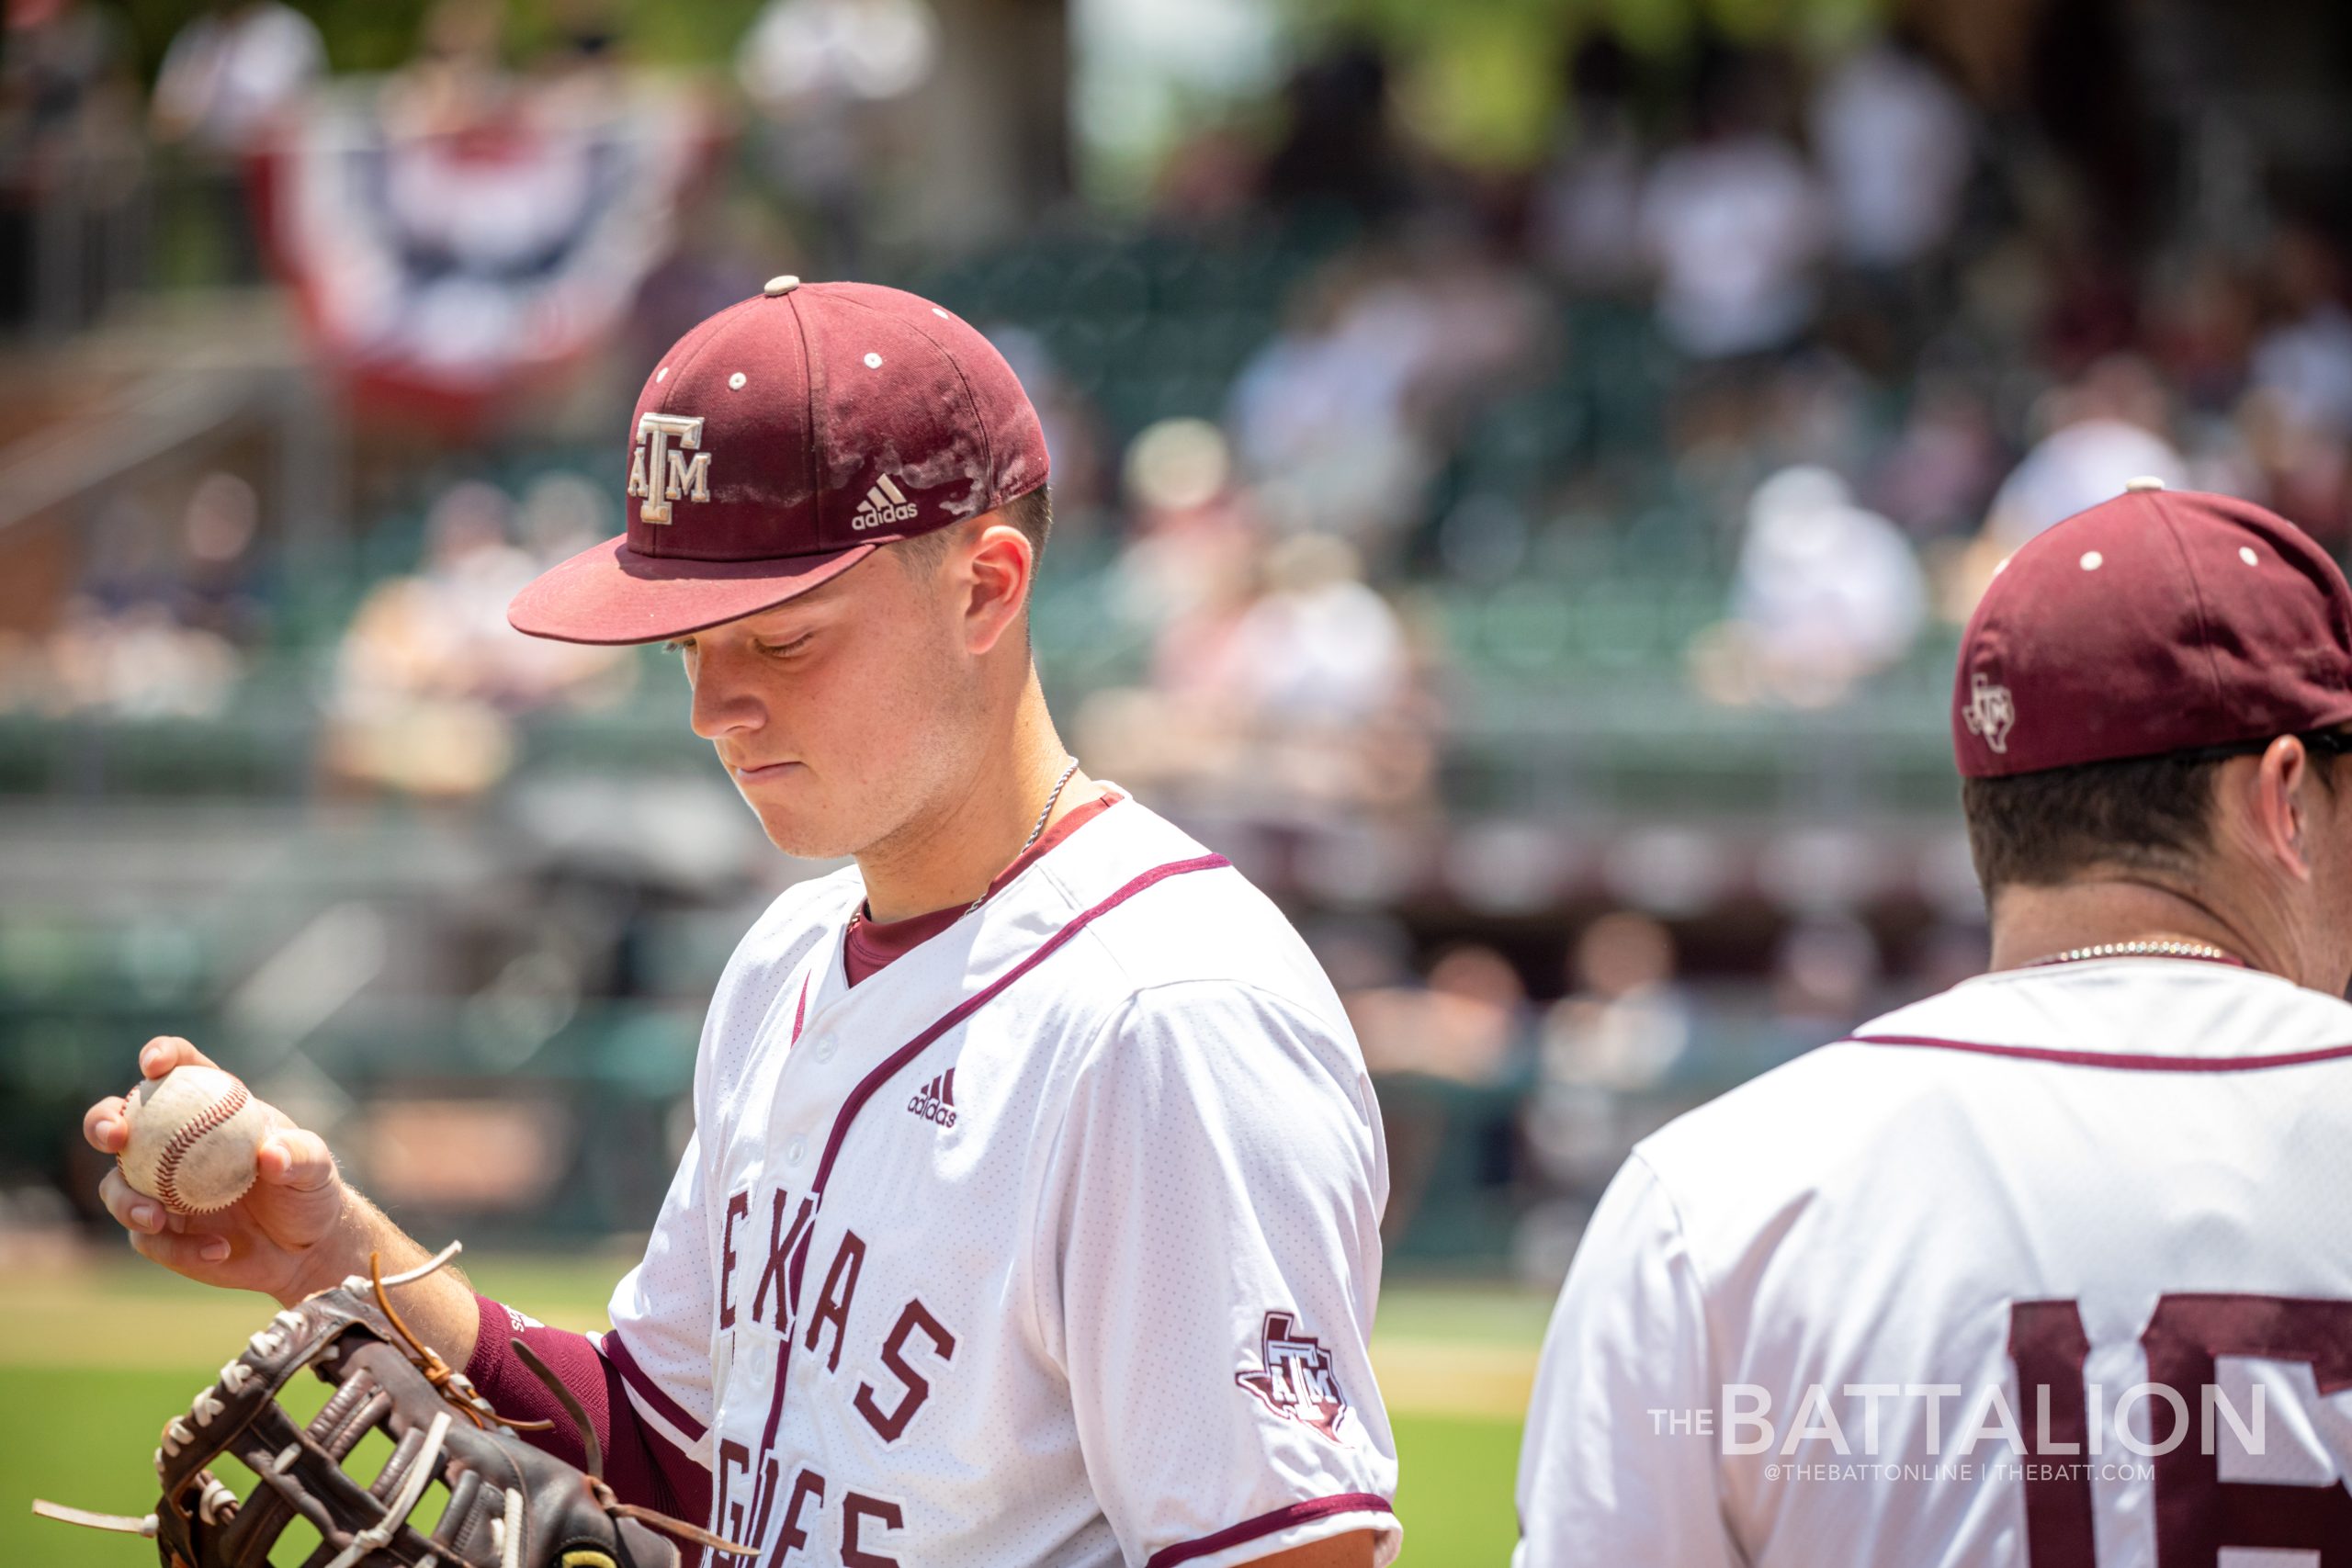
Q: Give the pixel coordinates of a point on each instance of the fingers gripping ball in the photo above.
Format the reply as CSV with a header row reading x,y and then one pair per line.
x,y
194,1136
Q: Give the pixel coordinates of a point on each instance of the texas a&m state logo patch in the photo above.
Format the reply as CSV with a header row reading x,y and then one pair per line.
x,y
1295,1378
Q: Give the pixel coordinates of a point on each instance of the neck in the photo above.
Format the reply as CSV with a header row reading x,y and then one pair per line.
x,y
949,855
2031,923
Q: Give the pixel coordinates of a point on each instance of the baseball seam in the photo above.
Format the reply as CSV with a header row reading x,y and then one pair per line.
x,y
212,1116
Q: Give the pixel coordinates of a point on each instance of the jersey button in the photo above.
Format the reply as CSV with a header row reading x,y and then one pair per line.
x,y
824,1051
794,1150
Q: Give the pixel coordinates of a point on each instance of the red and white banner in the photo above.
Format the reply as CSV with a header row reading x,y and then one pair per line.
x,y
447,265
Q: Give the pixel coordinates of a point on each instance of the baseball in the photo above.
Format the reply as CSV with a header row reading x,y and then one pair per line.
x,y
194,1135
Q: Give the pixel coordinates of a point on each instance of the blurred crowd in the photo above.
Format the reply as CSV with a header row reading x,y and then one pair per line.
x,y
1882,334
1526,1095
1901,334
1810,337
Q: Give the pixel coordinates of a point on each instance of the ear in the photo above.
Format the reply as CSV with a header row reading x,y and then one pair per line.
x,y
2275,795
998,573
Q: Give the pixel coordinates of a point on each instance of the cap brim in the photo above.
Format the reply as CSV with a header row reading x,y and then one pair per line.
x,y
610,594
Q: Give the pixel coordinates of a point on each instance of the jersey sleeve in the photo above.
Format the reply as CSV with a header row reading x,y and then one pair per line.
x,y
1606,1472
1207,1263
663,1312
642,1466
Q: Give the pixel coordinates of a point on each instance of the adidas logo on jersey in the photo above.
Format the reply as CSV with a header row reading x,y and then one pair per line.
x,y
936,1101
885,503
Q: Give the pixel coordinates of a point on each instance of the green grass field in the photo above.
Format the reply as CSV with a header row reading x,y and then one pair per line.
x,y
93,1361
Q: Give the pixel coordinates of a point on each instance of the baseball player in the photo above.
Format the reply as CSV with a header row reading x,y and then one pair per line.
x,y
2055,1269
1031,1213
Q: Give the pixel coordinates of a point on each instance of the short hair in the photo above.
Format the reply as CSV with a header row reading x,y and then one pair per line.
x,y
2152,814
1031,513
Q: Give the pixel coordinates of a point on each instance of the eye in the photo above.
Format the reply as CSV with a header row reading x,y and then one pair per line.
x,y
788,650
677,645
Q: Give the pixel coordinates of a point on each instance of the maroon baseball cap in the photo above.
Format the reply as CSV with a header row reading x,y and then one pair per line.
x,y
778,445
2160,621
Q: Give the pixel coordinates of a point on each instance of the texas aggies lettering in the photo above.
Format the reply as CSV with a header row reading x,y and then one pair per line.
x,y
748,1486
1112,1310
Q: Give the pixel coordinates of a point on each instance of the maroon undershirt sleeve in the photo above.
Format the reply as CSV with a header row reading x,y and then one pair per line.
x,y
640,1464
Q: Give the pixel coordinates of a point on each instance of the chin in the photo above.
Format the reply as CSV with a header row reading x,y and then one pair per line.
x,y
804,841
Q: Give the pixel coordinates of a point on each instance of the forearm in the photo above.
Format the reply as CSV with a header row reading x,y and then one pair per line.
x,y
438,1309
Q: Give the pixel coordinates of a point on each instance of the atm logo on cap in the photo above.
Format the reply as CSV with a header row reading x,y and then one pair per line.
x,y
1991,712
660,473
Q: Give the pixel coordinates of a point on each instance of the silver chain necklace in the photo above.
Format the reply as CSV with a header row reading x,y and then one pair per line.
x,y
1035,833
2146,947
857,916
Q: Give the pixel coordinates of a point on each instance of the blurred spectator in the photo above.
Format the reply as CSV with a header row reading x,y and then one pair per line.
x,y
802,53
1321,415
1587,208
1208,179
1281,684
2305,361
1621,1030
2100,433
430,671
1825,593
1336,420
165,617
2205,320
73,161
562,513
219,588
1735,224
65,87
1895,142
819,72
230,72
1446,1058
1625,1022
1463,1023
2296,415
1190,566
229,79
1337,145
1319,650
1824,977
135,663
1941,470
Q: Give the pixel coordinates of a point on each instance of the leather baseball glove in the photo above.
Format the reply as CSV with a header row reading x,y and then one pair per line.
x,y
509,1504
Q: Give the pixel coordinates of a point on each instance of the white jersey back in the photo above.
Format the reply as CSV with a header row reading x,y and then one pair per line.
x,y
2056,1269
1055,1242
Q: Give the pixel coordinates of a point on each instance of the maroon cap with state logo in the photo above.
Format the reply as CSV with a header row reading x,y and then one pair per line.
x,y
777,443
2160,621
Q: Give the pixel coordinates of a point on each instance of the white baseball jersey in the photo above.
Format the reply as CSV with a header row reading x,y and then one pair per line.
x,y
1056,1242
2053,1270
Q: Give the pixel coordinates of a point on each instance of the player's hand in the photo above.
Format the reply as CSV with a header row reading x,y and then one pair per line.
x,y
280,1239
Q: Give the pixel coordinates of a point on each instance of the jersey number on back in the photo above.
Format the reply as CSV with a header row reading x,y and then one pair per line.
x,y
2196,1513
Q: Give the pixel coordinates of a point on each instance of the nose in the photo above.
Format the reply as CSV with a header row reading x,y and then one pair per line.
x,y
724,706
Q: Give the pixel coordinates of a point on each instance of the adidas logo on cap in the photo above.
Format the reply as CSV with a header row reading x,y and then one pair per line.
x,y
884,503
936,1101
